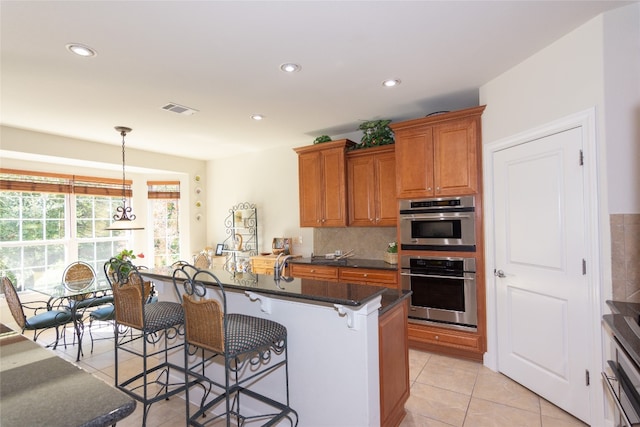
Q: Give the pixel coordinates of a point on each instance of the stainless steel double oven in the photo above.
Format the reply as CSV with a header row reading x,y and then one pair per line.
x,y
433,233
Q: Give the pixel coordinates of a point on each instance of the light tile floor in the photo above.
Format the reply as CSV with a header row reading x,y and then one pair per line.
x,y
445,391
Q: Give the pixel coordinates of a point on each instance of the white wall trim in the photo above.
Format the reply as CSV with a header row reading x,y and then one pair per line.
x,y
586,120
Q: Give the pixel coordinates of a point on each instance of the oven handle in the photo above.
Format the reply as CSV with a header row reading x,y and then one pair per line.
x,y
607,382
433,276
440,216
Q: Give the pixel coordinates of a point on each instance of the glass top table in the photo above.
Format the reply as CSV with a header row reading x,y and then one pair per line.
x,y
74,292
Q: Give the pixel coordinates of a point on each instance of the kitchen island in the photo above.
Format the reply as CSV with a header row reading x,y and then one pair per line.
x,y
347,344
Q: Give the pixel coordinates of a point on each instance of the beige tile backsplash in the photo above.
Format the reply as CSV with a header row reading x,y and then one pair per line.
x,y
366,242
625,256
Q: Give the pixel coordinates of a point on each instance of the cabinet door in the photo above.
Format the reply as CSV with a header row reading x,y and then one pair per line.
x,y
361,182
414,162
310,182
333,188
386,205
455,165
371,182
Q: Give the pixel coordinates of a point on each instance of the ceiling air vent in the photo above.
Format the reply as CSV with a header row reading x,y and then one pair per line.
x,y
180,109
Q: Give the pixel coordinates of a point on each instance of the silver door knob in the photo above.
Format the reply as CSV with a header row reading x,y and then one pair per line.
x,y
499,273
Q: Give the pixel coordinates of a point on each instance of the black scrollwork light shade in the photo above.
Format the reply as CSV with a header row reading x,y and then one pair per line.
x,y
124,219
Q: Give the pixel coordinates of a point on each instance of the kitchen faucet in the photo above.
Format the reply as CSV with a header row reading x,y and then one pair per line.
x,y
279,266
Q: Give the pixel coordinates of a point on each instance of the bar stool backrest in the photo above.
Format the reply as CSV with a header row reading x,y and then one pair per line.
x,y
130,292
205,321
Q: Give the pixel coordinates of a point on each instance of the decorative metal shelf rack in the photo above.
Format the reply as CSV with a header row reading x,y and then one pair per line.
x,y
241,242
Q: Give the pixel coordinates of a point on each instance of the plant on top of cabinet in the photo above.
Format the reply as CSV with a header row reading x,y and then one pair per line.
x,y
321,139
375,133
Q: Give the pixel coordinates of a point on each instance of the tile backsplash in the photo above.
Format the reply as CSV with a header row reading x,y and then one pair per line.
x,y
366,242
625,256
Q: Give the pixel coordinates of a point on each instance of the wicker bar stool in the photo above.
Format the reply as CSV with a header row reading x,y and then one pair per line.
x,y
243,345
155,331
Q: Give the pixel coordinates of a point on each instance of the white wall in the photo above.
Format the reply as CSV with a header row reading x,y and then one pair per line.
x,y
597,65
269,180
622,107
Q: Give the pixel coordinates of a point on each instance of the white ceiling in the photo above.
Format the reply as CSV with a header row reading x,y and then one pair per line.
x,y
223,57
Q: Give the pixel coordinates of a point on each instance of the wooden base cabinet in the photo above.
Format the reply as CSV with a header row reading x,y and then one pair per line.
x,y
318,272
438,155
365,276
394,364
468,345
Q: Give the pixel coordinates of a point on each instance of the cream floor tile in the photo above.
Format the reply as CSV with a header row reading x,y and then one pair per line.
x,y
552,416
439,404
483,413
453,376
414,420
417,361
495,387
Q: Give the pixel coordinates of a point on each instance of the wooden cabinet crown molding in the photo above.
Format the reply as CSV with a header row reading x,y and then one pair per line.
x,y
438,118
341,143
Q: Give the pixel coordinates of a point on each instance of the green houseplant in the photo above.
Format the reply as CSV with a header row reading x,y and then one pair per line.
x,y
375,133
391,255
321,139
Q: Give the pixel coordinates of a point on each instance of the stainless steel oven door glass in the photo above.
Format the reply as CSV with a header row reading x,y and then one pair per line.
x,y
446,224
443,290
623,384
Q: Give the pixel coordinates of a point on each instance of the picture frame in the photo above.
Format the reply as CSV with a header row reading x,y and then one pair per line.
x,y
219,248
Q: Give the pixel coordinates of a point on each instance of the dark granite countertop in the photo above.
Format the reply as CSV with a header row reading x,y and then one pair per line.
x,y
39,388
347,262
618,323
319,291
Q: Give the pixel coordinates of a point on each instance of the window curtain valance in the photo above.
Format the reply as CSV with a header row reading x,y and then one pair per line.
x,y
163,189
43,182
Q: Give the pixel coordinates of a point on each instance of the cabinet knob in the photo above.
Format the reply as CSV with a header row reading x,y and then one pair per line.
x,y
364,275
437,337
429,188
438,189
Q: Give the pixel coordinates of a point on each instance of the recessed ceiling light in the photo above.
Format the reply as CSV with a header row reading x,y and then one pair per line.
x,y
81,50
257,117
391,83
290,67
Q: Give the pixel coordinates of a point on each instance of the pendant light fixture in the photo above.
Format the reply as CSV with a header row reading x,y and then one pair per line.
x,y
124,219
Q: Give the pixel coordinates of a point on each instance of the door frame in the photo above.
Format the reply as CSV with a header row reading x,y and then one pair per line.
x,y
596,253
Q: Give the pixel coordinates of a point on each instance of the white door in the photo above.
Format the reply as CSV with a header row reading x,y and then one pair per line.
x,y
541,290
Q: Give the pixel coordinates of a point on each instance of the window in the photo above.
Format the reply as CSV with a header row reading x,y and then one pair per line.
x,y
48,221
164,197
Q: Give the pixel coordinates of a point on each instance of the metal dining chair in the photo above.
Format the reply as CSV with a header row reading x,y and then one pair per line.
x,y
42,319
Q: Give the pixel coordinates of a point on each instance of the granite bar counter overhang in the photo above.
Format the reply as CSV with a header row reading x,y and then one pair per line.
x,y
309,290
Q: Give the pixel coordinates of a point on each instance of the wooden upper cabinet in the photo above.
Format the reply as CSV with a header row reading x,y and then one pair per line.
x,y
371,182
438,155
322,184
